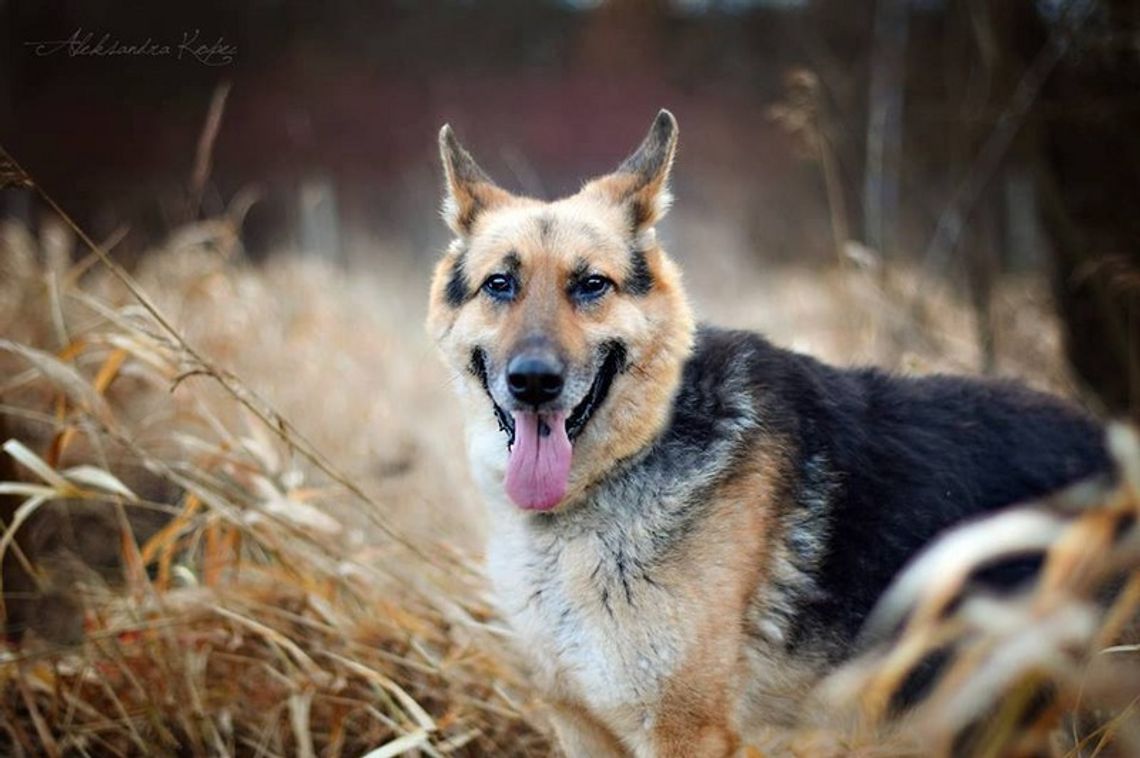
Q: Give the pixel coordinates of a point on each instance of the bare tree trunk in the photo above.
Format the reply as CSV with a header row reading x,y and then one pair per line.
x,y
1089,179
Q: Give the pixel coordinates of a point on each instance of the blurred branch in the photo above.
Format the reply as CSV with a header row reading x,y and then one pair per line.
x,y
950,224
204,155
803,115
884,125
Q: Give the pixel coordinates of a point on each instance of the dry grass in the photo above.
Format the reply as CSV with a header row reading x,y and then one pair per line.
x,y
281,608
295,571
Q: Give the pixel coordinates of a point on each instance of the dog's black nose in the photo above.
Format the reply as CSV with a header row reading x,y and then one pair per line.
x,y
535,378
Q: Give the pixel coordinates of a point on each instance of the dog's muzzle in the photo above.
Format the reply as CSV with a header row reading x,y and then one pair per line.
x,y
536,378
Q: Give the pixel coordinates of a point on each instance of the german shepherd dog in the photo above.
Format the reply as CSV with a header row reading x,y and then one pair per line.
x,y
689,524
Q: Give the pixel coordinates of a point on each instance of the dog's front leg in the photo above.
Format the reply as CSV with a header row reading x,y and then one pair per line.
x,y
694,716
698,738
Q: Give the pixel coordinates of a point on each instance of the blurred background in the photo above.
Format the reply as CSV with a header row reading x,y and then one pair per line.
x,y
968,138
238,430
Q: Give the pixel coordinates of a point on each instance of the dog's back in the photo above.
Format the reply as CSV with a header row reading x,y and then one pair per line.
x,y
878,465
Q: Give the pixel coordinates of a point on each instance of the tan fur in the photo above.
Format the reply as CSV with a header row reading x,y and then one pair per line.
x,y
697,704
695,674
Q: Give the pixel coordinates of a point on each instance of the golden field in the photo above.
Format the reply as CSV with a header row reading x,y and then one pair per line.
x,y
243,519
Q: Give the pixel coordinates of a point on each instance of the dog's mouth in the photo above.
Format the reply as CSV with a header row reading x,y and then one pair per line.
x,y
539,442
479,369
612,364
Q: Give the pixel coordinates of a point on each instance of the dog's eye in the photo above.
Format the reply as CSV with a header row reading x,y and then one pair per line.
x,y
592,287
500,286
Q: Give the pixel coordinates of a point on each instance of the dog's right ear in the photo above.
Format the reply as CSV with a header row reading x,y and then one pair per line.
x,y
641,183
469,190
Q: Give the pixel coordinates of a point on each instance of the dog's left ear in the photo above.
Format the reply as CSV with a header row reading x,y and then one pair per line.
x,y
641,182
469,191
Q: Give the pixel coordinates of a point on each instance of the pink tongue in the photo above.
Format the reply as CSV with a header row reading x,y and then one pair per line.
x,y
539,462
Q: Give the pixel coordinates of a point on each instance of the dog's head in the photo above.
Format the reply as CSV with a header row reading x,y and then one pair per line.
x,y
566,319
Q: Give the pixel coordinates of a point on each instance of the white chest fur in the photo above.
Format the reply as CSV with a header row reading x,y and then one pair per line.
x,y
584,605
595,625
